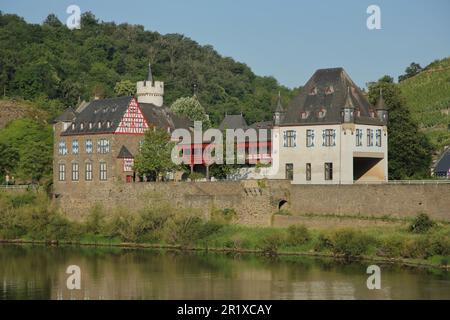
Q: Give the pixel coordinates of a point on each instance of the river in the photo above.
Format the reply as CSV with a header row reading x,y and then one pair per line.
x,y
39,272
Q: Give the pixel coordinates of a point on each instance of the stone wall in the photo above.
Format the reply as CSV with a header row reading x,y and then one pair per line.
x,y
255,202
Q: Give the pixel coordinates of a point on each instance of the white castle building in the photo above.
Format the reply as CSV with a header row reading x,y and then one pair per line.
x,y
329,134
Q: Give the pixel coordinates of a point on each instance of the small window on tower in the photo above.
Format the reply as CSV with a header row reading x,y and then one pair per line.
x,y
329,90
313,91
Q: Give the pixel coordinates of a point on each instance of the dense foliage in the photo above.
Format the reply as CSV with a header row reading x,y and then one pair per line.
x,y
427,95
154,157
409,149
49,61
26,150
190,108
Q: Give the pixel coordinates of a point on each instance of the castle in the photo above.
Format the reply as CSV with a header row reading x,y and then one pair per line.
x,y
328,134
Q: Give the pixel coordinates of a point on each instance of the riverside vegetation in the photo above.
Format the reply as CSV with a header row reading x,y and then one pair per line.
x,y
32,217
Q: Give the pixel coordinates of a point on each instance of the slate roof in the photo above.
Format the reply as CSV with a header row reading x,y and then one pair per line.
x,y
443,164
328,90
112,110
67,116
124,153
233,121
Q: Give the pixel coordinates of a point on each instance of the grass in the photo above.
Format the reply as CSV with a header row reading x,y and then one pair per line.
x,y
33,218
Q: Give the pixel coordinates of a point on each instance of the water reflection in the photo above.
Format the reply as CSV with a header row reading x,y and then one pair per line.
x,y
37,272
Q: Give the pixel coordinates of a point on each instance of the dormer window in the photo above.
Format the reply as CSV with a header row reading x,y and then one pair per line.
x,y
372,113
99,125
304,115
81,126
329,90
321,113
108,124
357,113
73,126
313,91
90,125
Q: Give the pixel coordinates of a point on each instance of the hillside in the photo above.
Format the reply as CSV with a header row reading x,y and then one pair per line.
x,y
50,62
428,96
12,109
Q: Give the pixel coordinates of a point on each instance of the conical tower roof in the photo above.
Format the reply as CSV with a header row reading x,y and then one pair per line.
x,y
348,104
380,103
279,107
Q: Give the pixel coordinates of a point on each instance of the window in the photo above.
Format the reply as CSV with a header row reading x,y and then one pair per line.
x,y
108,124
289,171
99,125
81,126
62,172
290,138
75,147
103,146
90,125
328,171
369,137
103,171
128,164
359,136
89,146
321,114
329,137
62,148
310,138
308,172
313,91
88,171
73,126
378,138
75,171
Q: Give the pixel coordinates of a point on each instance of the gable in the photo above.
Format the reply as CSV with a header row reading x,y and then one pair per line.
x,y
133,120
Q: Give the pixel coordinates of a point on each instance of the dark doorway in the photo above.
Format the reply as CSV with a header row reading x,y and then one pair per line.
x,y
361,166
281,204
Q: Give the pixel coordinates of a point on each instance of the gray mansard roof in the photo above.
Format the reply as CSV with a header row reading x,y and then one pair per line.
x,y
233,121
329,90
112,110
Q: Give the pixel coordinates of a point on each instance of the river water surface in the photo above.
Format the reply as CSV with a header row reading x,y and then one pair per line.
x,y
39,272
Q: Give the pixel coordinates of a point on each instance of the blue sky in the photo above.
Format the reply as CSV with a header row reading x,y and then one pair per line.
x,y
287,39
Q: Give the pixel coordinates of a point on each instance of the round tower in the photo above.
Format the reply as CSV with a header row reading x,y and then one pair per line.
x,y
150,91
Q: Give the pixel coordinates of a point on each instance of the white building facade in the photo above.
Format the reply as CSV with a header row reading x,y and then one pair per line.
x,y
330,134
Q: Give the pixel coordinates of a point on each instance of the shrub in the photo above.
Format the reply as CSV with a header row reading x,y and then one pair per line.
x,y
151,224
223,215
350,243
194,176
183,230
24,199
421,224
298,235
283,212
391,247
271,242
124,226
324,242
95,221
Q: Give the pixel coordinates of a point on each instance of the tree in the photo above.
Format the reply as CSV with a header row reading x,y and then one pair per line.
x,y
191,108
154,157
26,149
409,151
125,88
411,71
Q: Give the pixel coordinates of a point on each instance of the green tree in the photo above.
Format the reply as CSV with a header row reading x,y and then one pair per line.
x,y
125,88
28,146
409,151
410,71
154,157
191,108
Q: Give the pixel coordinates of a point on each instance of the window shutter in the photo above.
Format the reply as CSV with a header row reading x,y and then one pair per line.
x,y
334,137
312,138
323,138
295,138
284,138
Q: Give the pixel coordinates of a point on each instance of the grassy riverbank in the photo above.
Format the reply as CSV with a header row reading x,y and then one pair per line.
x,y
31,217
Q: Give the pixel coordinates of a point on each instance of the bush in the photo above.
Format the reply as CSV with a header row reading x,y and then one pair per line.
x,y
95,221
271,242
183,230
298,235
194,176
350,243
324,242
124,226
151,224
20,200
223,215
421,224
